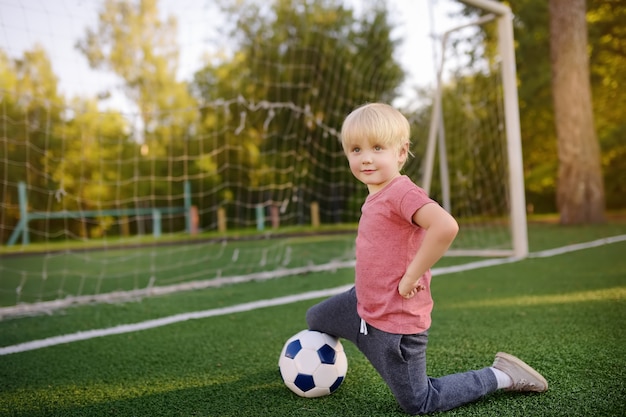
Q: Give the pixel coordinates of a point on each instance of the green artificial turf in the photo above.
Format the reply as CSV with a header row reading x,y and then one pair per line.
x,y
564,315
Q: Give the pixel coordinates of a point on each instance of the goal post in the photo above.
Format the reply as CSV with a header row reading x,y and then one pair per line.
x,y
506,48
502,15
512,124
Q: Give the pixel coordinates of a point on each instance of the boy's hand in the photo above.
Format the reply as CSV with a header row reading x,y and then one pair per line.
x,y
408,289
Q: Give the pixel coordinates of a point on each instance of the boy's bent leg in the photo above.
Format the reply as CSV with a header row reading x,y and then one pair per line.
x,y
401,361
336,316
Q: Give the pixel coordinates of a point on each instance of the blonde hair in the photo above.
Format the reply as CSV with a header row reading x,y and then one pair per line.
x,y
377,123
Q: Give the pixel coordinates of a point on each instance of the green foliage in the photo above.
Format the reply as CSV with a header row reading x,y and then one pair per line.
x,y
317,62
132,41
605,21
31,104
38,122
259,124
607,34
539,143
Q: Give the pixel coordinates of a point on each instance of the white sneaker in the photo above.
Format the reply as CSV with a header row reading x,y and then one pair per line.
x,y
523,376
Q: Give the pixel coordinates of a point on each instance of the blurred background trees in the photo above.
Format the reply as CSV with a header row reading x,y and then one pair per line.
x,y
606,46
311,46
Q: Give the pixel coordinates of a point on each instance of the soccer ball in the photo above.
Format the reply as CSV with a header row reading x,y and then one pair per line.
x,y
313,364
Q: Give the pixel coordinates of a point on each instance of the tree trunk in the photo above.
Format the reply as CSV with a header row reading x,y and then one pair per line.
x,y
580,189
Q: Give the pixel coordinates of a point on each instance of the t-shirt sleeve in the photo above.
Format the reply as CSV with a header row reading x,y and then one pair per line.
x,y
413,200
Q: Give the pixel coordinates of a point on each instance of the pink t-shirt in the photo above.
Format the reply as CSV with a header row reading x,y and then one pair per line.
x,y
386,243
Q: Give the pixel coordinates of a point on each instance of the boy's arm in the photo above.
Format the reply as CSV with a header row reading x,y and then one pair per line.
x,y
441,229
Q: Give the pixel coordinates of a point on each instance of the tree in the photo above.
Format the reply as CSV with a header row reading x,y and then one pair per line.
x,y
580,190
606,22
31,107
299,67
607,36
133,42
66,153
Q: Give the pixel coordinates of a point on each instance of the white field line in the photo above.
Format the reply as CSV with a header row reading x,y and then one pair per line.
x,y
579,246
48,307
151,324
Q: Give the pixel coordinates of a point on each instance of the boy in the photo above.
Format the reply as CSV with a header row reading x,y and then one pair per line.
x,y
401,234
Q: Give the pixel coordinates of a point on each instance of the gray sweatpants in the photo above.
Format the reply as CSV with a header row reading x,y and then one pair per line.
x,y
400,359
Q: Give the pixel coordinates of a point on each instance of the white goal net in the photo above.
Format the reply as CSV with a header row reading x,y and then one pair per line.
x,y
148,147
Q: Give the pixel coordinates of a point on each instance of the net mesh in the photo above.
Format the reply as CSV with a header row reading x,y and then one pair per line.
x,y
140,176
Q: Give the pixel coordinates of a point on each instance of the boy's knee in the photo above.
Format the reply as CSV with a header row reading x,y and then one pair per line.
x,y
416,403
413,408
312,318
409,406
317,319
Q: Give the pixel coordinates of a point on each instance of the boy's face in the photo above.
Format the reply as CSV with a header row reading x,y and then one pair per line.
x,y
375,164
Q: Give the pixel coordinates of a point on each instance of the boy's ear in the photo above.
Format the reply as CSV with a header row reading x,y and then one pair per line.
x,y
404,153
